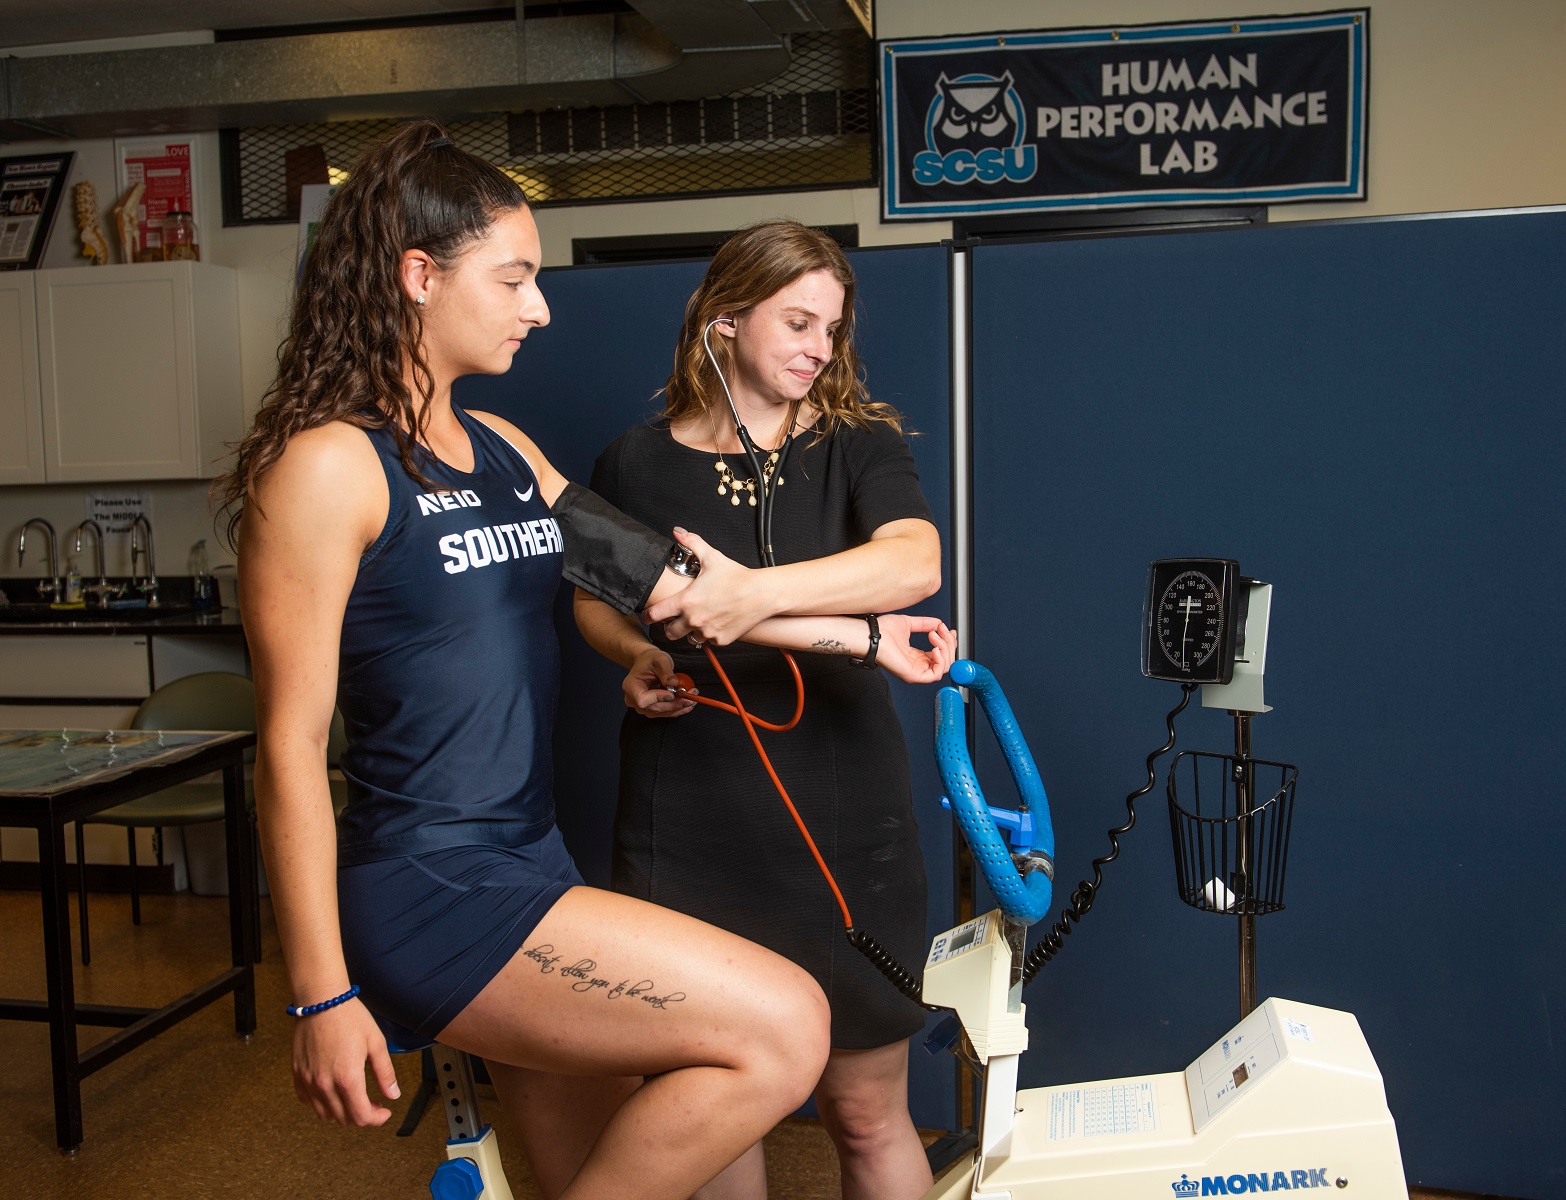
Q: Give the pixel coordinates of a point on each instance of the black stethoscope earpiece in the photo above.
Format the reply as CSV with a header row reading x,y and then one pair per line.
x,y
766,492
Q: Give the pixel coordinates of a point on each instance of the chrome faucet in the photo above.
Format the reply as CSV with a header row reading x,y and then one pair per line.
x,y
149,585
103,589
52,588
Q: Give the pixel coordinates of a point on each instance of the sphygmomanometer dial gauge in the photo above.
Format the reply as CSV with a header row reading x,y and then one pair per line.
x,y
1190,620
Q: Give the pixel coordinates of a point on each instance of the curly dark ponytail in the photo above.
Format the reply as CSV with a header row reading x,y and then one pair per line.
x,y
353,329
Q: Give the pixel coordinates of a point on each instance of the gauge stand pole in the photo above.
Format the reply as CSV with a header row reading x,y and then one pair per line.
x,y
1244,799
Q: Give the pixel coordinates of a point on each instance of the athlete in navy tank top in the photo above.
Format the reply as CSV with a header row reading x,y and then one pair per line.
x,y
636,1049
450,660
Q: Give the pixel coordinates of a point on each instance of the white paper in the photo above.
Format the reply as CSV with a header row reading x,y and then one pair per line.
x,y
1103,1111
116,509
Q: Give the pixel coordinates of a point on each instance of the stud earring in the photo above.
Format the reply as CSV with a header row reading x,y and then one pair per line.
x,y
418,299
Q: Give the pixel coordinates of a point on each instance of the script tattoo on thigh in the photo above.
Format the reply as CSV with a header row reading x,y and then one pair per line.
x,y
582,976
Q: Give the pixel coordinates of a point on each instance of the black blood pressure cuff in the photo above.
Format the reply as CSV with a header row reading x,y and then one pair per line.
x,y
607,554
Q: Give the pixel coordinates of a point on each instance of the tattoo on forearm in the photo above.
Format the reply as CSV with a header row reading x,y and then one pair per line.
x,y
830,646
582,976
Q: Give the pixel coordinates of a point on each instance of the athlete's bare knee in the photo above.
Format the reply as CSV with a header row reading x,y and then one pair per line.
x,y
791,1040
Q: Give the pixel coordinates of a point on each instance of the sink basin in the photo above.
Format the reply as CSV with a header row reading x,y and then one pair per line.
x,y
43,614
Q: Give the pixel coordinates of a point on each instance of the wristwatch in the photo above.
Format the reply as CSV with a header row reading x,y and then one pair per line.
x,y
868,661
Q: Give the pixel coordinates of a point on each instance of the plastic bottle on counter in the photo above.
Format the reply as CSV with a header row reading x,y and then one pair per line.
x,y
180,240
73,583
203,594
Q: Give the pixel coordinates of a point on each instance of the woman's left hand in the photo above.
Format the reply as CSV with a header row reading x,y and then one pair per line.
x,y
724,603
907,662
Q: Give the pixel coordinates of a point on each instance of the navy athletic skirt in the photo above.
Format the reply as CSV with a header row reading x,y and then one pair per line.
x,y
424,933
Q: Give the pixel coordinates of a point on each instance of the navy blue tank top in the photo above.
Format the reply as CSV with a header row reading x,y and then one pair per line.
x,y
450,669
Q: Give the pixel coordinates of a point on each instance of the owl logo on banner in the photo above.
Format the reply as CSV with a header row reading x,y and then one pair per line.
x,y
975,130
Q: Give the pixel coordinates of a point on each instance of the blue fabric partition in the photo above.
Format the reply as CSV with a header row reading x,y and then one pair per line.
x,y
592,372
1370,416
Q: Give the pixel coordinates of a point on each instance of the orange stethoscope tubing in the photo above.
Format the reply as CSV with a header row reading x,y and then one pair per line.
x,y
684,684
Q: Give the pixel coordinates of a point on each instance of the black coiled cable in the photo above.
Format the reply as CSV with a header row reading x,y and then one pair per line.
x,y
1082,898
881,958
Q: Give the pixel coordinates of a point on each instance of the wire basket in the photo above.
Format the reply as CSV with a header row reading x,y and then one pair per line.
x,y
1228,861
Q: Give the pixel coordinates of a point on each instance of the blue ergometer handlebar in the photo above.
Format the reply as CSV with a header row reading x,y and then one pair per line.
x,y
1023,898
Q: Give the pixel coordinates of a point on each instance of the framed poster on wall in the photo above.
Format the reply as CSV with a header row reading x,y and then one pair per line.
x,y
166,167
30,190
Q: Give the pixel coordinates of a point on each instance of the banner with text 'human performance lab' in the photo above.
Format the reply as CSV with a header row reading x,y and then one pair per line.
x,y
1261,111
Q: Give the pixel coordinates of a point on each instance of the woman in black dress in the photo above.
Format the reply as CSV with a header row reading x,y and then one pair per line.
x,y
699,827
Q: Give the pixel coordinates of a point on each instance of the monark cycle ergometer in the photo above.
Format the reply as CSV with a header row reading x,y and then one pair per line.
x,y
1288,1099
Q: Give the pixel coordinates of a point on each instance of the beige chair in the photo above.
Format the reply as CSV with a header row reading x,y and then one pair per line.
x,y
211,700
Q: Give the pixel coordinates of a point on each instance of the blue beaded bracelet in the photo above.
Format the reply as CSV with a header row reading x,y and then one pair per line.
x,y
305,1010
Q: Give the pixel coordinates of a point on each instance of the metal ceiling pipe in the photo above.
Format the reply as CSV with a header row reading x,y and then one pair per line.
x,y
668,50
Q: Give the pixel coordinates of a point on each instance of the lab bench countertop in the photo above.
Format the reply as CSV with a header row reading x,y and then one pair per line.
x,y
177,620
26,614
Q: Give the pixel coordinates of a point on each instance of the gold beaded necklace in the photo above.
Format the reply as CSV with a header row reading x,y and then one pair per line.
x,y
732,487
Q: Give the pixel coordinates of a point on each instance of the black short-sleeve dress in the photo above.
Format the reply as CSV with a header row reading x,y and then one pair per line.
x,y
699,827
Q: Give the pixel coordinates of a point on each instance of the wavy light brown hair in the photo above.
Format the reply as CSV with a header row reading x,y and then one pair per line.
x,y
354,331
753,264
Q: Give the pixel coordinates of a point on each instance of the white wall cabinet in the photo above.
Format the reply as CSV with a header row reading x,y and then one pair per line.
x,y
138,370
21,416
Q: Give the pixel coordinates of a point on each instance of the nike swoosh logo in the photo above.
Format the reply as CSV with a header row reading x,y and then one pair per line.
x,y
525,496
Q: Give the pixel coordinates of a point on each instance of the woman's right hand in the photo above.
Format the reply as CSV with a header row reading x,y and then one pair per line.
x,y
721,605
331,1049
646,686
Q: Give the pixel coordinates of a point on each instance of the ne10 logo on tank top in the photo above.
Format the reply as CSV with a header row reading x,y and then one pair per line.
x,y
487,545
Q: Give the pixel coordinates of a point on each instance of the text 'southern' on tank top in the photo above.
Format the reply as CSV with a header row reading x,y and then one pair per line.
x,y
450,669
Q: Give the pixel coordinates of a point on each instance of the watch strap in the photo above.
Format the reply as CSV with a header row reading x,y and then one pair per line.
x,y
868,661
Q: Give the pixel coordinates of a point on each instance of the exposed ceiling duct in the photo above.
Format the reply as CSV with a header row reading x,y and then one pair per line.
x,y
666,50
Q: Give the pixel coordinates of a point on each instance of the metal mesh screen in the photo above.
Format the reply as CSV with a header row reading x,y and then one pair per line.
x,y
809,127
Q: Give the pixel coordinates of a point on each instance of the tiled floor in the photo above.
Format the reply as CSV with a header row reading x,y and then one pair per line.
x,y
197,1114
